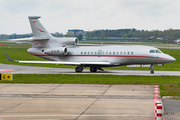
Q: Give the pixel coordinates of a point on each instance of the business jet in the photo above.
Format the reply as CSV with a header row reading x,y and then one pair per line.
x,y
65,51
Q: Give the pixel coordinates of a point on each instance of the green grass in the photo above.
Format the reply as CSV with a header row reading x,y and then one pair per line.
x,y
169,85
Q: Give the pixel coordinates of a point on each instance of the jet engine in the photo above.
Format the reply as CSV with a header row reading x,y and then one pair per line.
x,y
70,41
67,41
57,51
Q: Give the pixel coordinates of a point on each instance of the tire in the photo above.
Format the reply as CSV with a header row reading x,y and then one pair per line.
x,y
78,69
152,72
93,69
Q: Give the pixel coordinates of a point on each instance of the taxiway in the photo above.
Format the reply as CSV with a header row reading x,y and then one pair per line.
x,y
19,69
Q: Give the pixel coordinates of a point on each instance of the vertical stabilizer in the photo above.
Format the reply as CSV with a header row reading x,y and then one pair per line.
x,y
38,29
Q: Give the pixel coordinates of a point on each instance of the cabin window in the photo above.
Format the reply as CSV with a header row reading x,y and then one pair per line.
x,y
117,53
113,53
128,52
109,53
88,53
95,53
81,53
121,53
132,53
84,53
124,53
106,53
152,51
103,53
91,53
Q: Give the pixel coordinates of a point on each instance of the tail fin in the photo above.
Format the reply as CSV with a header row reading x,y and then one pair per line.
x,y
37,28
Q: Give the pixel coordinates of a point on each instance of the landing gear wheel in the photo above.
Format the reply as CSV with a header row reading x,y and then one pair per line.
x,y
151,67
152,71
93,69
78,69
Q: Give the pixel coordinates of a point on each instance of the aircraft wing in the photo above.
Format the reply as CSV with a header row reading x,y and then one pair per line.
x,y
52,62
67,63
95,63
60,62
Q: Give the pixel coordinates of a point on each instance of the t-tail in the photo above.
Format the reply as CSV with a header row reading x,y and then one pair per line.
x,y
42,38
38,29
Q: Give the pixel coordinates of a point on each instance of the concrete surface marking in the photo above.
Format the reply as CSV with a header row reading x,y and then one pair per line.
x,y
76,101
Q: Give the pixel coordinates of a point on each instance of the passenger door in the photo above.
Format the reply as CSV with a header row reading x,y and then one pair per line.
x,y
99,53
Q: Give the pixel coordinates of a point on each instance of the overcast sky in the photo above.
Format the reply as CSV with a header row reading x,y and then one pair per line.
x,y
61,15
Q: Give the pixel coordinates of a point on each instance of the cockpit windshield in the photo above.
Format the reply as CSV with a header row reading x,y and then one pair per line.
x,y
158,51
154,51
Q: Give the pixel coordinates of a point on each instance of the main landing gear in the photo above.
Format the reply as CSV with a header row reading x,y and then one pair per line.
x,y
92,69
151,67
79,68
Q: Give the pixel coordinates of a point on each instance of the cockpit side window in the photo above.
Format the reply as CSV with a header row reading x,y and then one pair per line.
x,y
152,51
158,51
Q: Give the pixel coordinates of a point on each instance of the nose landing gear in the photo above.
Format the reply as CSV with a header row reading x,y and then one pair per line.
x,y
151,67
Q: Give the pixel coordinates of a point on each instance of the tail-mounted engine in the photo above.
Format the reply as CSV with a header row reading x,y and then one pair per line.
x,y
57,51
67,41
70,41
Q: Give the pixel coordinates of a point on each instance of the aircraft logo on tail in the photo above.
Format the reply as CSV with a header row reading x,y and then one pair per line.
x,y
40,30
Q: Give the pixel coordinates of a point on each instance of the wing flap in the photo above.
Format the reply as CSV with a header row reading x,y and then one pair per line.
x,y
52,62
96,63
60,62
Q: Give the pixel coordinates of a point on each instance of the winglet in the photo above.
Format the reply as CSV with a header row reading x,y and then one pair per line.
x,y
9,58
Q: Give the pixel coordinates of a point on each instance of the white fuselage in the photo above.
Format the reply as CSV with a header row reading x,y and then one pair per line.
x,y
116,55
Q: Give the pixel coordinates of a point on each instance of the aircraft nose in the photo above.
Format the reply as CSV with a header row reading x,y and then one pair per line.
x,y
171,59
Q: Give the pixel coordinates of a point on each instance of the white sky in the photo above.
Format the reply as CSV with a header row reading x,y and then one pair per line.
x,y
61,15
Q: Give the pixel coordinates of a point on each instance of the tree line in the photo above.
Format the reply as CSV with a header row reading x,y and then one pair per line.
x,y
169,35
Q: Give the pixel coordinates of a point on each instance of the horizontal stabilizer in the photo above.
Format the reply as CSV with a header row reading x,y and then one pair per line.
x,y
31,39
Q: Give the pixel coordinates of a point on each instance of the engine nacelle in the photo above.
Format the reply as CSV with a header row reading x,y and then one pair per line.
x,y
70,41
57,51
67,41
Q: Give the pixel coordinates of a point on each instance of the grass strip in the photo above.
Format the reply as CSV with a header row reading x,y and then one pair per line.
x,y
169,85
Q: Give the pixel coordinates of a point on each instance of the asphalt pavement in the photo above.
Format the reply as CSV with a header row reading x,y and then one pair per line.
x,y
20,69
